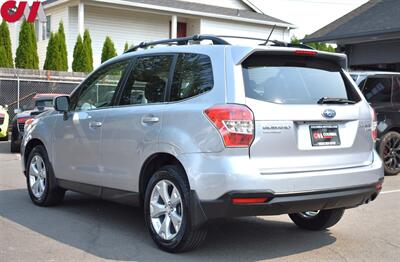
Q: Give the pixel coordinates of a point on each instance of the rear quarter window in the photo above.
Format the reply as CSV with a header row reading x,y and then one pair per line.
x,y
193,76
378,89
295,79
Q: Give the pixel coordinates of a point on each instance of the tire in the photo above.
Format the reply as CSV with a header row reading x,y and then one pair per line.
x,y
4,139
185,238
15,148
389,151
321,221
50,194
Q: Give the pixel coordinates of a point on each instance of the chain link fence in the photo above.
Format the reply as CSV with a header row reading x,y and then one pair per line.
x,y
18,87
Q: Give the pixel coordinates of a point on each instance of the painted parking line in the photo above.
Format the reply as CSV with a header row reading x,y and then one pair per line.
x,y
390,192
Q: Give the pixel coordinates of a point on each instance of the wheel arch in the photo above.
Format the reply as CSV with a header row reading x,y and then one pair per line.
x,y
30,146
152,164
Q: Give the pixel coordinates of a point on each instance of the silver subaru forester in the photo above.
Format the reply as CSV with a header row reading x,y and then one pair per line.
x,y
192,132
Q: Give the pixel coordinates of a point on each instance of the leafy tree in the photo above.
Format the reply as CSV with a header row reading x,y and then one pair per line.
x,y
53,55
126,47
77,62
6,59
87,53
62,46
317,46
27,56
108,50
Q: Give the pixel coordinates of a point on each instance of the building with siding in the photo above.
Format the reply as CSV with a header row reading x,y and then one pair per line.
x,y
135,21
369,35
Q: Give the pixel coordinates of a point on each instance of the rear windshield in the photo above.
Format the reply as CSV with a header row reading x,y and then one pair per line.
x,y
295,79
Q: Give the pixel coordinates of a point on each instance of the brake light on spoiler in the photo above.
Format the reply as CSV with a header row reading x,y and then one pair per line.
x,y
305,52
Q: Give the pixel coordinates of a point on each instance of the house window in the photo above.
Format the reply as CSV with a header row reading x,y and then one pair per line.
x,y
48,28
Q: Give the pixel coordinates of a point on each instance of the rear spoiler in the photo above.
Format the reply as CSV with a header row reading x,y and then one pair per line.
x,y
242,54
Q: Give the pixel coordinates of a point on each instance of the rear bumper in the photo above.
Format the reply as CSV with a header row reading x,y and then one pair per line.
x,y
289,203
213,175
278,204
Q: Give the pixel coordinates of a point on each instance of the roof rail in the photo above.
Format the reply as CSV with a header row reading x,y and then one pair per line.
x,y
266,41
180,41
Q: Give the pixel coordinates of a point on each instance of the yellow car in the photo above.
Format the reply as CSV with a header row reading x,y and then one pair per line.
x,y
4,120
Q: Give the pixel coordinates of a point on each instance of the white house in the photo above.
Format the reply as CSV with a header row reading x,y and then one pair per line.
x,y
135,21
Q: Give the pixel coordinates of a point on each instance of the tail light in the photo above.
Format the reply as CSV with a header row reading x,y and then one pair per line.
x,y
22,120
235,123
2,115
374,125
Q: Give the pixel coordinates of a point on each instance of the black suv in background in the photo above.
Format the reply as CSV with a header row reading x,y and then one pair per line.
x,y
382,90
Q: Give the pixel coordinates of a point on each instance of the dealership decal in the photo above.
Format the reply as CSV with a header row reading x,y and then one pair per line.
x,y
13,12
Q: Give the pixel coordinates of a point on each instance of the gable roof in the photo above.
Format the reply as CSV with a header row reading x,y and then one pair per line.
x,y
373,18
197,8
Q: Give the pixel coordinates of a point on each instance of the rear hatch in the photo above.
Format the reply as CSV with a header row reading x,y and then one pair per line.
x,y
308,115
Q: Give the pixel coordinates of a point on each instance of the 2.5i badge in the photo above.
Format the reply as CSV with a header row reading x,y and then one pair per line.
x,y
326,135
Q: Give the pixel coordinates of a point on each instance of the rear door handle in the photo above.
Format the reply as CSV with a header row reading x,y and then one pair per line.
x,y
95,124
150,119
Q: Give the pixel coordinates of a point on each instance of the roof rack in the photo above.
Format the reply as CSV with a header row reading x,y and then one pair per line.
x,y
180,41
217,40
266,41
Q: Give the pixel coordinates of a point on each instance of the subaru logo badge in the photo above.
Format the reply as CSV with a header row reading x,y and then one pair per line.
x,y
329,113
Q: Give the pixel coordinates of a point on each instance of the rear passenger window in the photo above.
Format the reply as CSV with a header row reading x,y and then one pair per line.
x,y
378,89
148,81
193,76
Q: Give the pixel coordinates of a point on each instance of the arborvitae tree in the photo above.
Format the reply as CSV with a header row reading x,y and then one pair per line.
x,y
316,46
126,47
6,59
53,55
2,56
27,56
87,53
77,62
62,46
108,50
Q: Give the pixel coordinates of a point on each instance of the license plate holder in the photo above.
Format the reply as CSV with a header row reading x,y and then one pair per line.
x,y
324,135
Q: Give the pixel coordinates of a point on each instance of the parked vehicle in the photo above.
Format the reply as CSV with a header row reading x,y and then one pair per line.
x,y
222,131
39,104
4,121
382,90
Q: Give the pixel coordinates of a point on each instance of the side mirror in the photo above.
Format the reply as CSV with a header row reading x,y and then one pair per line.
x,y
61,104
17,111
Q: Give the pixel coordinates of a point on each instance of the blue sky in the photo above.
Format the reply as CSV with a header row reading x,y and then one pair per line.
x,y
307,15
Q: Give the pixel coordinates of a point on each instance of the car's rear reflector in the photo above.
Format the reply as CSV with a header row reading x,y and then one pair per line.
x,y
305,52
251,200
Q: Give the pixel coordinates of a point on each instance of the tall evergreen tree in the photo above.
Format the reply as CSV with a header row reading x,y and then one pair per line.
x,y
6,59
53,55
87,52
108,50
77,62
62,46
27,56
126,47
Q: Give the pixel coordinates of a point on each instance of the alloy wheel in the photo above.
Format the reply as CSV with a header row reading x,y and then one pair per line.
x,y
37,176
391,153
166,209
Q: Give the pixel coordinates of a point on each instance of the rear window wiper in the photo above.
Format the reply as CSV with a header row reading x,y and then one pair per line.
x,y
331,100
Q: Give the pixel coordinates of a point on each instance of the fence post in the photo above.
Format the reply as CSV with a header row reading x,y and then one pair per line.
x,y
18,91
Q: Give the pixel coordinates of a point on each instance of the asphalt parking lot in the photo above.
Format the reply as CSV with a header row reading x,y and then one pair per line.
x,y
88,229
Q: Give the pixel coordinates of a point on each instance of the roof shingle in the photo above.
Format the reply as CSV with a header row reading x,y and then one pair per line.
x,y
374,17
217,10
